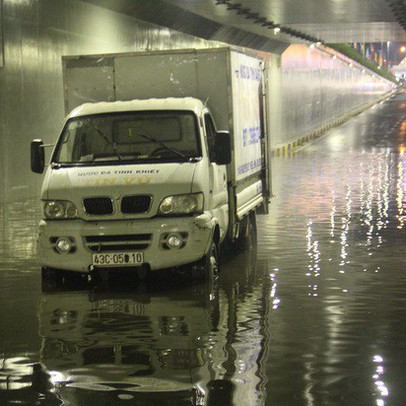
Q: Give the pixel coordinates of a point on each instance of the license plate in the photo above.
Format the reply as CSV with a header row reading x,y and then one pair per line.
x,y
118,259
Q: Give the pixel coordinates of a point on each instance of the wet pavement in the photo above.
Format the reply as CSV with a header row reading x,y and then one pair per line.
x,y
314,314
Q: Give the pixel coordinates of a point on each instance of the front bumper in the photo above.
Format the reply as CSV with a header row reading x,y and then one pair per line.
x,y
148,236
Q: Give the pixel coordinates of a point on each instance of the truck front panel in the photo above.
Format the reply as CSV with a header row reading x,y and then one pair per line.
x,y
124,243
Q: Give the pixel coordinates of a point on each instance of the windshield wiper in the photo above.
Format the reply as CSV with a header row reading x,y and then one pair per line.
x,y
109,142
161,144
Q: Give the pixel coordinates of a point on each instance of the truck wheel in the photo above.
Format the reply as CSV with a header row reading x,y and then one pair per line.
x,y
208,267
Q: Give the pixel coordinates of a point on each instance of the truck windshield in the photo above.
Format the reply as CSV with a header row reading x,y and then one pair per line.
x,y
131,136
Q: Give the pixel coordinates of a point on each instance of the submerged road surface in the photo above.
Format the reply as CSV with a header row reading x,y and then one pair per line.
x,y
314,314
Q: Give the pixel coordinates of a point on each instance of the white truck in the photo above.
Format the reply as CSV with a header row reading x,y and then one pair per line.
x,y
163,156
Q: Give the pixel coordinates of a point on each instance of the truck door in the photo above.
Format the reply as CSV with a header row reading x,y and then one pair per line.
x,y
218,176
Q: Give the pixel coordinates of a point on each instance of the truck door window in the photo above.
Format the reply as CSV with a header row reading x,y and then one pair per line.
x,y
210,134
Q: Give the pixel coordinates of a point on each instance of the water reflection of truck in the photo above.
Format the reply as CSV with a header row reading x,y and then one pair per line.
x,y
151,182
197,345
150,346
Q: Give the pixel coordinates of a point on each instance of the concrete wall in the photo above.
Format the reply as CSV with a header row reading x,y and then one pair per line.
x,y
317,87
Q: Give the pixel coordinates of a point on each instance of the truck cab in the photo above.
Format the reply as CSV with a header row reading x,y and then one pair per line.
x,y
140,183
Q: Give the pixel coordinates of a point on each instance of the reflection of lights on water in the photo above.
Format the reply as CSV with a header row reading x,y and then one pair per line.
x,y
381,389
15,370
380,370
358,212
345,227
124,396
19,373
377,358
375,199
313,253
275,300
383,198
343,241
56,377
332,217
242,366
368,221
276,303
401,190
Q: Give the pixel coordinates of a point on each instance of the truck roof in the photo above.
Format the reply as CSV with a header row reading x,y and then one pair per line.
x,y
170,103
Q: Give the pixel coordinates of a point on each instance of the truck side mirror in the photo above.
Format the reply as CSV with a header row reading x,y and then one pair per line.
x,y
37,156
222,147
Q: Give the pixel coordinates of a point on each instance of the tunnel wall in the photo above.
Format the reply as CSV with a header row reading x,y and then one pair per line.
x,y
36,33
307,87
317,87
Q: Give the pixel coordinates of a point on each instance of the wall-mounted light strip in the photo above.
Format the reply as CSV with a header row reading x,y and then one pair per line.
x,y
264,22
398,8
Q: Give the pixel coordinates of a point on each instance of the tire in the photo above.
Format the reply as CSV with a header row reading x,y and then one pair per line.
x,y
208,267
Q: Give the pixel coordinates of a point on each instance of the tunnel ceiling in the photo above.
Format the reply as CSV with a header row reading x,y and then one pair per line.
x,y
334,21
272,25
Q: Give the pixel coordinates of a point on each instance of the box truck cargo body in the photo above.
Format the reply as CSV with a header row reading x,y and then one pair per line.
x,y
163,156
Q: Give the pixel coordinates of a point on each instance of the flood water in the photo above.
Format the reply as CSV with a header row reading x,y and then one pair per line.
x,y
314,314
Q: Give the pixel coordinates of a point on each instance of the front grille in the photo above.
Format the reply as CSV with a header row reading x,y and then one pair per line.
x,y
126,242
98,205
135,204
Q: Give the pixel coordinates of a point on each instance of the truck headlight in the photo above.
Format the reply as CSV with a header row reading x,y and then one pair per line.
x,y
59,210
182,204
